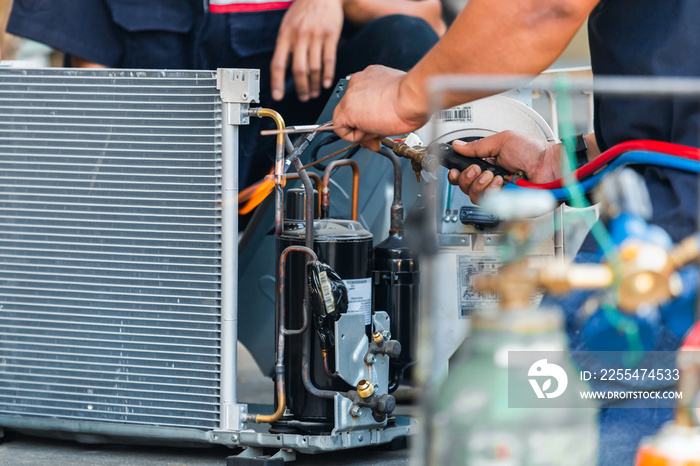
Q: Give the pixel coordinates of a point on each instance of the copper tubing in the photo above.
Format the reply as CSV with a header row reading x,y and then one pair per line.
x,y
281,401
279,163
326,369
281,333
317,181
297,129
325,193
281,290
305,369
309,206
396,225
330,156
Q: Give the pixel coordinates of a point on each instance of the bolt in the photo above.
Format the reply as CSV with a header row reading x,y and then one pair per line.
x,y
386,334
355,411
369,359
244,95
234,438
360,437
487,239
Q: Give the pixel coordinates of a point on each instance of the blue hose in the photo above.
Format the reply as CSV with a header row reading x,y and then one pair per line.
x,y
629,158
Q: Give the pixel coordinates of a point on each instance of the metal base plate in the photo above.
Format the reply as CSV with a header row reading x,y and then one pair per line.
x,y
402,427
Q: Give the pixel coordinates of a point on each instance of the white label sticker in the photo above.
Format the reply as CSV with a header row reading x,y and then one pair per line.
x,y
460,114
469,266
360,297
326,290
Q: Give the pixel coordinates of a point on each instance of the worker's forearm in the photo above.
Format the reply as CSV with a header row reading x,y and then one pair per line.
x,y
360,12
497,37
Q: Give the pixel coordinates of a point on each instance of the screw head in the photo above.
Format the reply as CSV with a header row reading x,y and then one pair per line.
x,y
244,95
355,411
369,359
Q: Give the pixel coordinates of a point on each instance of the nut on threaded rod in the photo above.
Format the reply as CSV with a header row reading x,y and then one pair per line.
x,y
365,388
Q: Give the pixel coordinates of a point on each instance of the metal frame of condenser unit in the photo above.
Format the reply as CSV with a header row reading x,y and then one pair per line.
x,y
238,89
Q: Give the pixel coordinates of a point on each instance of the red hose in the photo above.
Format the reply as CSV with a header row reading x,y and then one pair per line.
x,y
611,154
692,341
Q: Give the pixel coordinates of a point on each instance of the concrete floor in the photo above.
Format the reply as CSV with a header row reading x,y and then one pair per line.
x,y
21,450
31,451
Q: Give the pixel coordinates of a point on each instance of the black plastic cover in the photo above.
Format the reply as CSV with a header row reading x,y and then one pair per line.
x,y
329,299
478,217
328,294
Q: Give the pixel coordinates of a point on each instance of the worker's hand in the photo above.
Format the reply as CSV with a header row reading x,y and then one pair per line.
x,y
377,104
309,34
513,151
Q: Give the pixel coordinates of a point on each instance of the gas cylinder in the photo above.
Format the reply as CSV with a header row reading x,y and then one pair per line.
x,y
474,423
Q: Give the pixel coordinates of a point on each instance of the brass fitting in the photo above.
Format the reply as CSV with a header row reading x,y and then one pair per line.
x,y
365,388
417,155
518,281
646,275
377,337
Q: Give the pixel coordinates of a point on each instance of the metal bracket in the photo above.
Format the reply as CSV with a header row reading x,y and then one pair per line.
x,y
350,349
454,240
351,344
256,455
234,415
239,88
344,421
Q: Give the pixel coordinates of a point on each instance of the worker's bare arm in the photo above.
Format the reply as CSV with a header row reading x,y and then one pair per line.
x,y
488,37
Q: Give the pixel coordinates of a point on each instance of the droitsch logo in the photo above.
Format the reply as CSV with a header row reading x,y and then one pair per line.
x,y
543,370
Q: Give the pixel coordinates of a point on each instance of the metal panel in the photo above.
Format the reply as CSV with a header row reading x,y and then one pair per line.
x,y
110,246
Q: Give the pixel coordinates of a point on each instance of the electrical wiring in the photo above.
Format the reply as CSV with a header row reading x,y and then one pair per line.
x,y
629,158
614,152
